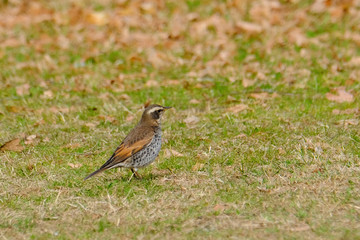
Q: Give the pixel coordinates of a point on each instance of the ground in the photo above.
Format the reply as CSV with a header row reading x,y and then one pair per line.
x,y
262,141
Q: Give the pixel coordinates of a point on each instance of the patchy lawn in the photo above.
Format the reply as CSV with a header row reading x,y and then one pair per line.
x,y
262,142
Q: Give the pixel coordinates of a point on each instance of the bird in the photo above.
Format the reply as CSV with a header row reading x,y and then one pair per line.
x,y
141,146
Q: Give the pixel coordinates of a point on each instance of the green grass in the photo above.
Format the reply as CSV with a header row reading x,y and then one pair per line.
x,y
286,167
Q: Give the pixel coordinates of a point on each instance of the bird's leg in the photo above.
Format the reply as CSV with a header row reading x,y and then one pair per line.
x,y
135,173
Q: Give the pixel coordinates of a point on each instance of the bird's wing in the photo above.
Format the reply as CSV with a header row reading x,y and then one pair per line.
x,y
132,144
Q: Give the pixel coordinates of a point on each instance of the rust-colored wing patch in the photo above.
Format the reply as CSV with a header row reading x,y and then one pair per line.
x,y
126,150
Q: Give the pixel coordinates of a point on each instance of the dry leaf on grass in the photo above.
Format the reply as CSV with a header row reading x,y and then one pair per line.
x,y
23,89
129,118
263,95
354,62
230,99
29,139
318,6
347,122
197,166
237,108
299,228
346,111
14,109
298,37
341,96
108,118
155,58
91,124
124,97
194,101
47,95
248,27
147,103
152,83
97,18
191,120
171,152
219,207
12,145
39,123
54,109
75,165
172,82
71,145
281,151
248,82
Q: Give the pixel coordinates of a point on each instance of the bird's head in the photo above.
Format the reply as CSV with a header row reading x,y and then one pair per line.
x,y
152,114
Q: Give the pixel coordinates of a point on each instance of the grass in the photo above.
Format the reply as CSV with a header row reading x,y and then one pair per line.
x,y
287,167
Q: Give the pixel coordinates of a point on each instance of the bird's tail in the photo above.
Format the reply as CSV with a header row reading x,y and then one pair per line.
x,y
94,173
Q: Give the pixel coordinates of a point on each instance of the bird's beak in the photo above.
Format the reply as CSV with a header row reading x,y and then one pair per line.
x,y
167,108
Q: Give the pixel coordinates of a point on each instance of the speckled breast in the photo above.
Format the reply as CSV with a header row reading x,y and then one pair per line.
x,y
147,155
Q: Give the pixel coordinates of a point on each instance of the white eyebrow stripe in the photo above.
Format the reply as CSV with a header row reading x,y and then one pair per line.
x,y
155,109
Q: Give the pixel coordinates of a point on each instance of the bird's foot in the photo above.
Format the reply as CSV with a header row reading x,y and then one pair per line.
x,y
135,173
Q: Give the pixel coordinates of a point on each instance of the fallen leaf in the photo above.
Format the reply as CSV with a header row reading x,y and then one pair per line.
x,y
176,154
172,82
346,111
263,95
194,101
248,82
98,18
171,152
219,207
104,96
155,59
147,103
336,12
354,62
129,118
40,122
108,118
23,89
341,96
241,135
71,145
191,120
281,151
232,79
260,76
230,99
148,7
263,189
318,6
298,37
75,165
48,94
237,108
14,109
152,83
91,124
177,25
248,27
124,97
347,122
300,228
12,145
198,166
29,139
54,109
